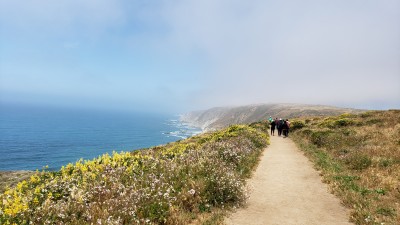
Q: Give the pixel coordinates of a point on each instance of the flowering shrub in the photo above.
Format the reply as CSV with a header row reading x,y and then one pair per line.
x,y
151,186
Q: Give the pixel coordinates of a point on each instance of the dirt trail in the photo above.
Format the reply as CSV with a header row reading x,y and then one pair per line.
x,y
286,190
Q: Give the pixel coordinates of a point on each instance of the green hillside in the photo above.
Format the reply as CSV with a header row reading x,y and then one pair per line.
x,y
189,181
220,117
359,157
196,180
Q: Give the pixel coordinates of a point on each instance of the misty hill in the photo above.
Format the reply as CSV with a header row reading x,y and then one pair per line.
x,y
220,117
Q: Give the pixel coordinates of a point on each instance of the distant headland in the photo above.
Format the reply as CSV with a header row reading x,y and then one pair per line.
x,y
220,117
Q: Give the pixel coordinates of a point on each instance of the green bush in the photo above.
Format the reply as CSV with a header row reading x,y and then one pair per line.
x,y
336,123
297,124
343,122
386,211
320,138
358,161
374,121
306,132
346,115
367,114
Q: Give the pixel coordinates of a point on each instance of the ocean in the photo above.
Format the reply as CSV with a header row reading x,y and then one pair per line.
x,y
35,137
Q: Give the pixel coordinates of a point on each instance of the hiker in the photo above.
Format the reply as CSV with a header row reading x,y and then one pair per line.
x,y
273,124
285,128
279,126
288,127
270,119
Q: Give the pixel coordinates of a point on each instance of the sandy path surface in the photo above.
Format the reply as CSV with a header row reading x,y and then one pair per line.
x,y
286,190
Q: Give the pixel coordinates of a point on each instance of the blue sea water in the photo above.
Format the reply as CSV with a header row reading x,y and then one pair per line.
x,y
34,137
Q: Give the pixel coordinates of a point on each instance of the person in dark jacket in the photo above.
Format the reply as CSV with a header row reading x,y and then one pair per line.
x,y
279,126
285,128
288,127
273,125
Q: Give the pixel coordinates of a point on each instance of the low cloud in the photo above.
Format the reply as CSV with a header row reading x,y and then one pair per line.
x,y
306,52
200,54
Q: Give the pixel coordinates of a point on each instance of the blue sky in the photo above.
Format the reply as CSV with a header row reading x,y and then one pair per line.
x,y
174,55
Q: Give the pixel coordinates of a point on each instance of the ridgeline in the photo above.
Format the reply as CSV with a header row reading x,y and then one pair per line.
x,y
220,117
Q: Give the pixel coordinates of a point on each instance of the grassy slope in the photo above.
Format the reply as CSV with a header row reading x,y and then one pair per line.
x,y
224,116
189,181
11,178
359,157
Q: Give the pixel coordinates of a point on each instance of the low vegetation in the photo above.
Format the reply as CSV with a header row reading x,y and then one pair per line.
x,y
359,157
12,178
189,181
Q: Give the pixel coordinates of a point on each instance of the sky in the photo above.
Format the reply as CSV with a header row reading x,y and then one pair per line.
x,y
176,56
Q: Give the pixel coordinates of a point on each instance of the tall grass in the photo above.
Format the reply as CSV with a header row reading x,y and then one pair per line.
x,y
178,183
359,157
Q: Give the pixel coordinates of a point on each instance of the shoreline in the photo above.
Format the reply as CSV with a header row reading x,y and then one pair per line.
x,y
184,119
10,178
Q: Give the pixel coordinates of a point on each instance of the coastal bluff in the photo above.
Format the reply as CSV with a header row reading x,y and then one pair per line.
x,y
220,117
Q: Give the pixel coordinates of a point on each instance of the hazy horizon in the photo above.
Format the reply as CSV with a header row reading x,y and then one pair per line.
x,y
179,56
